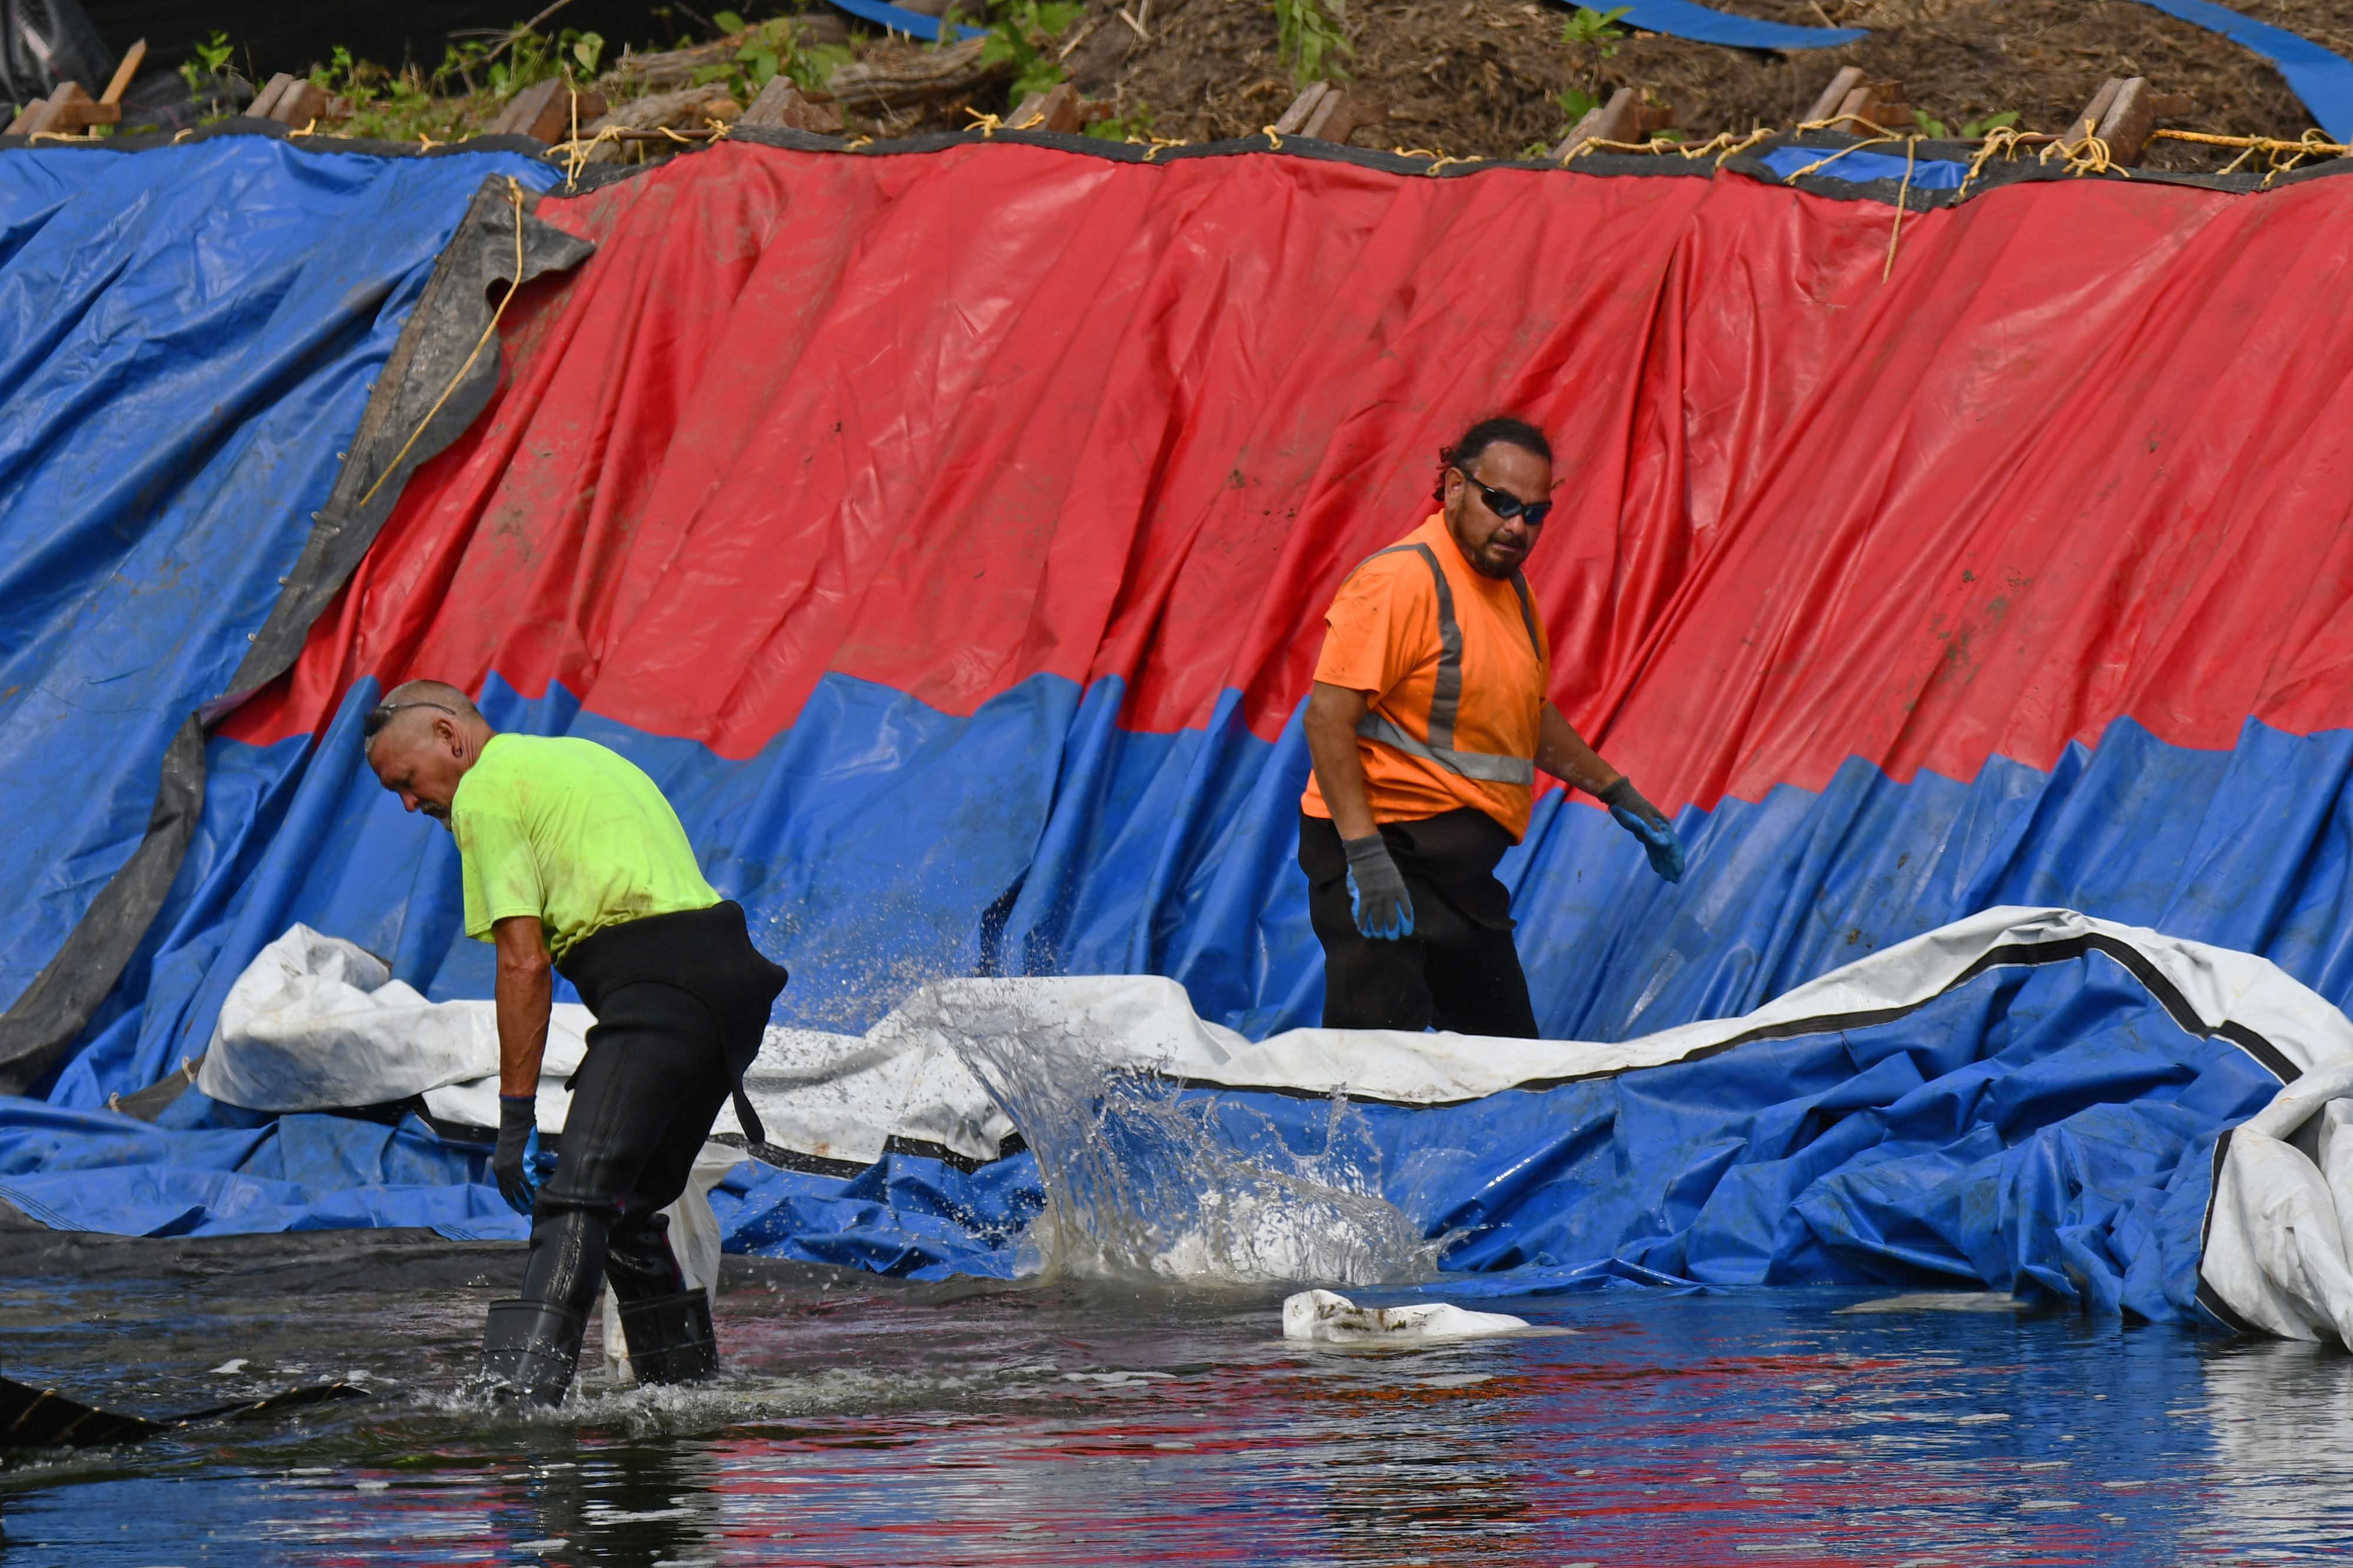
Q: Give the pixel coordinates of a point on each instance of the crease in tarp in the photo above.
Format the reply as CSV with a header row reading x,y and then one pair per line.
x,y
47,1009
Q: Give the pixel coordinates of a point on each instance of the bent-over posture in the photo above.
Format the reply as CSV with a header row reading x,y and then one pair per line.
x,y
1427,723
571,854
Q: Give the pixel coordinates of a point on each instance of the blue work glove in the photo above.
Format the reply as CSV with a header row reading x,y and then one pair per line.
x,y
513,1161
1377,894
1649,823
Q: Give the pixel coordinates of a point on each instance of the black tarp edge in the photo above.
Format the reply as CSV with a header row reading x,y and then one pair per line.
x,y
430,357
1998,173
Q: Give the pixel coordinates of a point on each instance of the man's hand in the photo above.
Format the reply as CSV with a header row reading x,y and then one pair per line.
x,y
510,1163
1377,894
1649,823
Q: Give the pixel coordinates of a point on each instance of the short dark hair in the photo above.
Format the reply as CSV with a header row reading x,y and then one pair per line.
x,y
1495,428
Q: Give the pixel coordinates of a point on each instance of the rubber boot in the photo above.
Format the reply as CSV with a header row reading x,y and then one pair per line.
x,y
529,1350
671,1338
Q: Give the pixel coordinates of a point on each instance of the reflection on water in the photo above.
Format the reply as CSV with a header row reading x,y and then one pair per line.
x,y
866,1423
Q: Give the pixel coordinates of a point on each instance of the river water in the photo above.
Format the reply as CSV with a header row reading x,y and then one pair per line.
x,y
868,1422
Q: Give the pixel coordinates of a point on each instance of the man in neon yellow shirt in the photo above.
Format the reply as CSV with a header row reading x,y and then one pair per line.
x,y
573,857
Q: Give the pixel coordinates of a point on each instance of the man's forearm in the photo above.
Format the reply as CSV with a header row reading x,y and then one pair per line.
x,y
526,987
1562,752
1331,726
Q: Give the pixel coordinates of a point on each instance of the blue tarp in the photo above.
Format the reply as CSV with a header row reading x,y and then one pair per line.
x,y
2048,1129
1678,18
1702,25
1924,173
2322,79
188,339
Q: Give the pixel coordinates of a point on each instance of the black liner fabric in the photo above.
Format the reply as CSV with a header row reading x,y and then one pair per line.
x,y
440,333
34,1418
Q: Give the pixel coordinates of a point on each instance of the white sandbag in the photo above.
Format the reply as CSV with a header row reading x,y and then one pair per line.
x,y
1328,1318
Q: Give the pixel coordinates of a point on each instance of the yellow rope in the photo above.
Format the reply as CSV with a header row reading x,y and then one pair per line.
x,y
577,153
1878,132
514,286
2312,145
1762,133
1653,149
2085,154
426,143
1157,145
986,124
1273,138
855,142
2001,140
1911,147
309,130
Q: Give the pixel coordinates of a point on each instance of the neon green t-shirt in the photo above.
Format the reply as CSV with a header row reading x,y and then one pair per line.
x,y
573,833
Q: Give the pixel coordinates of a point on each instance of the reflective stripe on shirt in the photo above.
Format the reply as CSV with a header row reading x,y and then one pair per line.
x,y
1446,694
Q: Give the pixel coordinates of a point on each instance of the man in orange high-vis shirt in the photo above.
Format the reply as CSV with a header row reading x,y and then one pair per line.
x,y
1427,725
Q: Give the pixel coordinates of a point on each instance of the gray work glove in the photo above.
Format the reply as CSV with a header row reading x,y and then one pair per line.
x,y
1649,823
1377,894
511,1163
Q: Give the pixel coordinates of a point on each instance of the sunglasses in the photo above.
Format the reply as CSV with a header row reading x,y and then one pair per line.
x,y
1504,504
380,714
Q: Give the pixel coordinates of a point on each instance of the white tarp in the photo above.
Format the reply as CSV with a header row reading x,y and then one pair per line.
x,y
316,1024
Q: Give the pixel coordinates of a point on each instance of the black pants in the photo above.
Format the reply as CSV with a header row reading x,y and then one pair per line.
x,y
663,1056
1459,970
642,1105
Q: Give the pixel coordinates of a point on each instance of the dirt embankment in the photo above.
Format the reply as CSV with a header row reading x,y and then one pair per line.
x,y
1484,77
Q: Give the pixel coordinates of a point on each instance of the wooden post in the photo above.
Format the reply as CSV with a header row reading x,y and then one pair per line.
x,y
1625,118
65,113
1293,121
2134,114
1848,79
544,109
781,103
131,58
1603,123
2086,125
1338,116
265,103
1328,113
1059,108
1873,106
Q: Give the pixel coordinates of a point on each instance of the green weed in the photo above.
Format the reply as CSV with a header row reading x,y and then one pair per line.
x,y
1971,129
1309,38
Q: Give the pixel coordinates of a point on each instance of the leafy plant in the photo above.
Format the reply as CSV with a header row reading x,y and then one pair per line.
x,y
1135,125
1018,32
1308,37
1971,129
207,61
770,49
1592,38
1587,28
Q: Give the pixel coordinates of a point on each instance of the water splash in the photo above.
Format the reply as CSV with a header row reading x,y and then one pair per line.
x,y
1145,1178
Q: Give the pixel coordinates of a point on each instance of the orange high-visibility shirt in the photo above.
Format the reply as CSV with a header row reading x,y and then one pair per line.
x,y
1455,666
